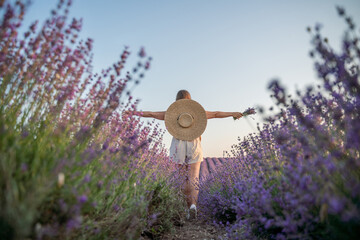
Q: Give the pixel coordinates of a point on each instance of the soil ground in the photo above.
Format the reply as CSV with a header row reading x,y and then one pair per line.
x,y
196,229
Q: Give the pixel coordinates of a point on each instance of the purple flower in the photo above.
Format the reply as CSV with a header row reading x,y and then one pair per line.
x,y
63,205
82,199
25,134
116,208
142,52
24,167
105,145
268,223
336,205
74,223
99,184
87,178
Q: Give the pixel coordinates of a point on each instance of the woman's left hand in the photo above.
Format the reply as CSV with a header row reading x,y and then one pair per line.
x,y
130,113
237,115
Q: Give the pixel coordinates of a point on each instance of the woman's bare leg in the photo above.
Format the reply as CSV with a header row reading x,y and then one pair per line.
x,y
190,175
193,183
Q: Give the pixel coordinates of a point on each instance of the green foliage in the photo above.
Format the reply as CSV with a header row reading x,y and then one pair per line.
x,y
72,165
27,173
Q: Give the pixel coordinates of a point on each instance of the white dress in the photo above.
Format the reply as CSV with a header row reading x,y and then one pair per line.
x,y
186,152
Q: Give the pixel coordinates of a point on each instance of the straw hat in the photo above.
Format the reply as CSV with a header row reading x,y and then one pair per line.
x,y
185,119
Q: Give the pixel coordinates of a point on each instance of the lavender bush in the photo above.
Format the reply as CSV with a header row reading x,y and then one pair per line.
x,y
298,177
72,163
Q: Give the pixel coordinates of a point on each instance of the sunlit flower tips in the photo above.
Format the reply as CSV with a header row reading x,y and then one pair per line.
x,y
340,10
318,27
147,65
142,52
61,179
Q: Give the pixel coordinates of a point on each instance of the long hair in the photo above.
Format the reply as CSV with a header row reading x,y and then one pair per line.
x,y
183,94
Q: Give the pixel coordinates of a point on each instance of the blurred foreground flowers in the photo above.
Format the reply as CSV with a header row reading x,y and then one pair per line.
x,y
71,164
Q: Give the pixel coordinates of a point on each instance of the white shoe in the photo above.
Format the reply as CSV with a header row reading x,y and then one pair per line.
x,y
193,212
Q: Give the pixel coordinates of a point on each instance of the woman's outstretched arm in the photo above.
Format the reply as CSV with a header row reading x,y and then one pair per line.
x,y
156,115
218,114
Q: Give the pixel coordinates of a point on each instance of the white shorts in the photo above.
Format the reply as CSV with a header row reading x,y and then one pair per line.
x,y
186,152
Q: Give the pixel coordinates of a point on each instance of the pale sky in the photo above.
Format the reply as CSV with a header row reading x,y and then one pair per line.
x,y
223,52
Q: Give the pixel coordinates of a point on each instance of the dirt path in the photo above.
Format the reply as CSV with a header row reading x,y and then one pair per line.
x,y
196,229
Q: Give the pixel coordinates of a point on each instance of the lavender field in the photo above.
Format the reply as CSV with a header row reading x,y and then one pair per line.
x,y
298,177
75,164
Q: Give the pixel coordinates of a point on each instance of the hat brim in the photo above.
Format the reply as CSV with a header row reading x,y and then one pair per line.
x,y
185,106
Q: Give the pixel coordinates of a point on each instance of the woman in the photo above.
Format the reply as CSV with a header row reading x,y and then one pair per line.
x,y
188,154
